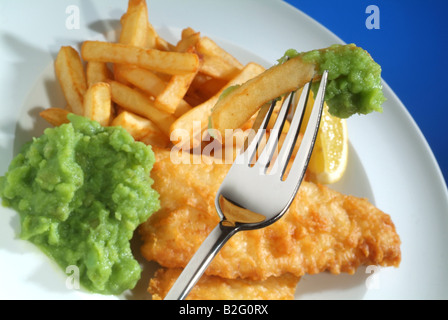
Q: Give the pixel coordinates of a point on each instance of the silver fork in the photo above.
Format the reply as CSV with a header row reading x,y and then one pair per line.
x,y
250,197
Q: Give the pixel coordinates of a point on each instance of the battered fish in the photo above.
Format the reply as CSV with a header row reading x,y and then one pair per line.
x,y
322,231
216,288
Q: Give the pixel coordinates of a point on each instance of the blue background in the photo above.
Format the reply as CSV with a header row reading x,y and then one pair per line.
x,y
412,48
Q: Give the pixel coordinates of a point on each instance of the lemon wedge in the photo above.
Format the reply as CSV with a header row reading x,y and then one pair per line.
x,y
328,161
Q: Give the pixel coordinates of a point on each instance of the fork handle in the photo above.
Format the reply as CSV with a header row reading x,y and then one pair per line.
x,y
200,261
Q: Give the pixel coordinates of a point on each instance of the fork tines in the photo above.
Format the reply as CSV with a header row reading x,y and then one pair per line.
x,y
275,163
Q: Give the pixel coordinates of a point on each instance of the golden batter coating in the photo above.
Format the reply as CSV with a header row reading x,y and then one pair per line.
x,y
216,288
323,230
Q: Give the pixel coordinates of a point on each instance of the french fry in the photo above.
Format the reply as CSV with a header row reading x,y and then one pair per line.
x,y
136,102
199,115
98,103
152,59
174,93
217,68
187,32
141,129
208,47
178,85
136,126
182,107
217,62
97,72
134,24
151,37
72,78
239,105
162,44
151,84
188,41
134,30
143,79
55,116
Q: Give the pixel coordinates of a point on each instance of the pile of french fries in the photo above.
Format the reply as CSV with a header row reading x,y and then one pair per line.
x,y
161,93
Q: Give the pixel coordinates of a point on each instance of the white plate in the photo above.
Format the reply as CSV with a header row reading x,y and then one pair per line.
x,y
390,161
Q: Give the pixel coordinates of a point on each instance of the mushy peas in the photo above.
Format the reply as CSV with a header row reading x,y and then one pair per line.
x,y
81,190
354,78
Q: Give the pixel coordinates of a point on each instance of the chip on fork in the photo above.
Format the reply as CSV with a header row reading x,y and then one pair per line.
x,y
251,196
